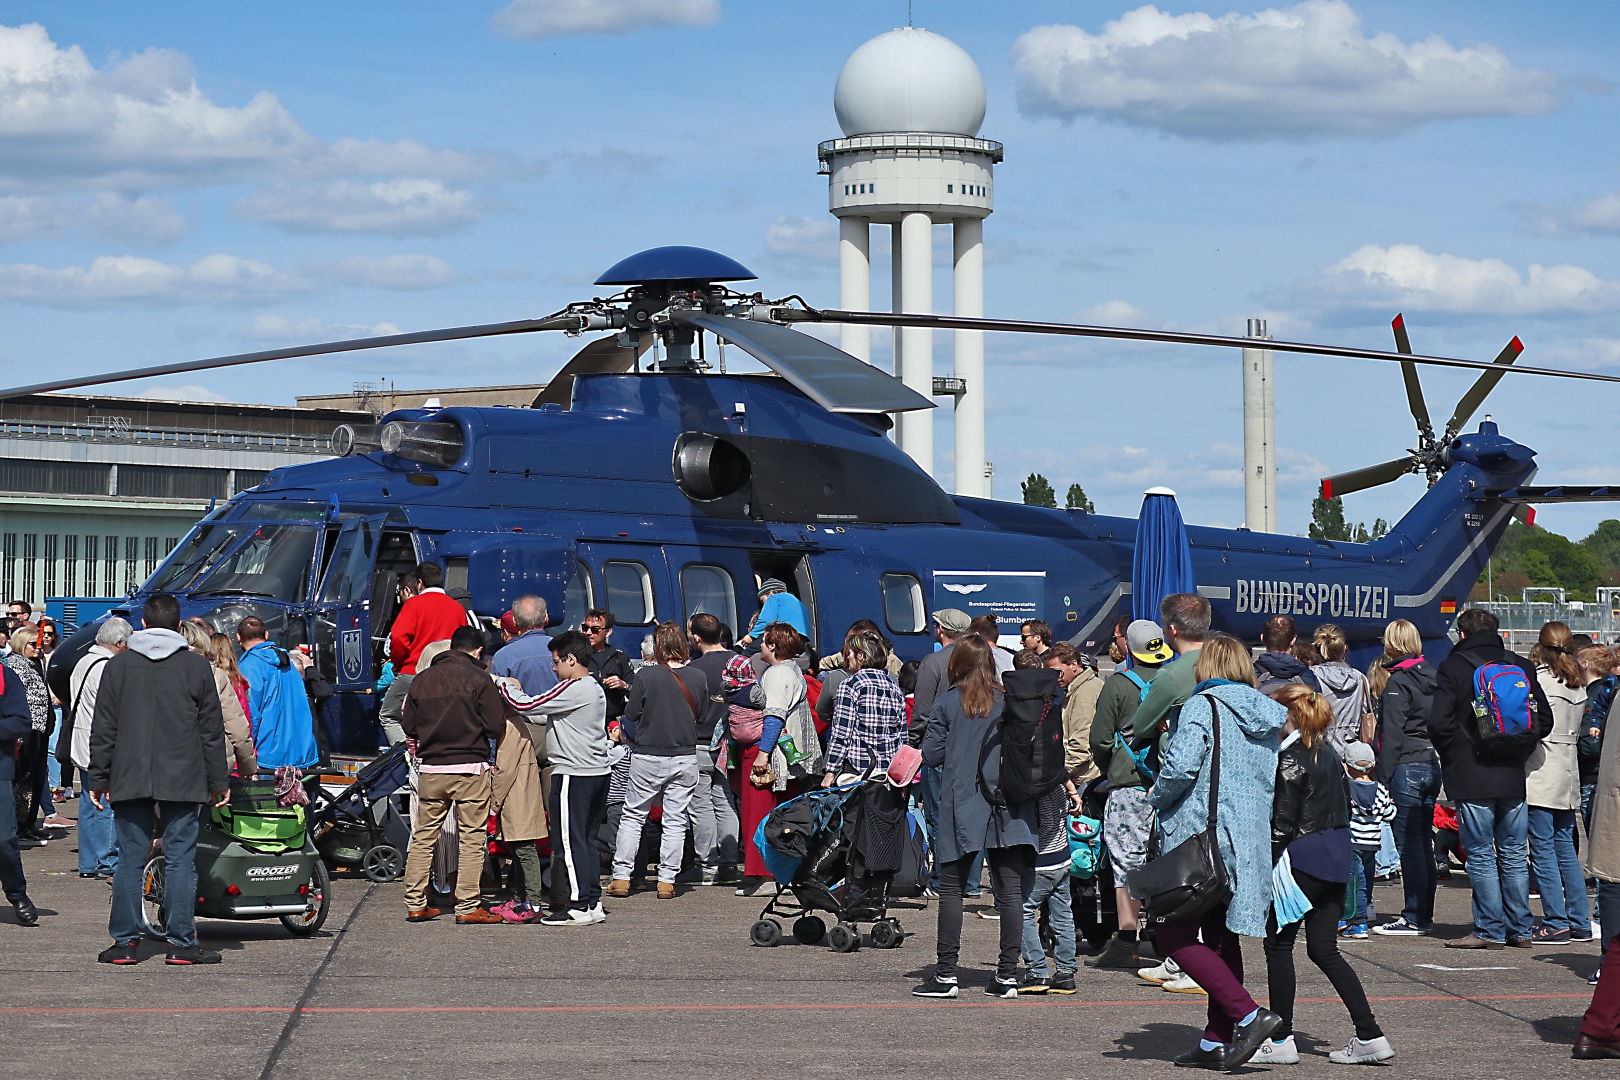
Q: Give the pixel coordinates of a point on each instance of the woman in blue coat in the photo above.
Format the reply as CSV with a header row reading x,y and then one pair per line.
x,y
1250,724
970,823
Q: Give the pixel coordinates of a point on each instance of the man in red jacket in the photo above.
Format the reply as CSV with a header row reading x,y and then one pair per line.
x,y
428,615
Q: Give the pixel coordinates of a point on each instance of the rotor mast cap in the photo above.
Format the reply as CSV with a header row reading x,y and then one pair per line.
x,y
675,263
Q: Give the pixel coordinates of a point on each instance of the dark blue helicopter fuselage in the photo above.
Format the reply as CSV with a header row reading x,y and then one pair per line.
x,y
583,506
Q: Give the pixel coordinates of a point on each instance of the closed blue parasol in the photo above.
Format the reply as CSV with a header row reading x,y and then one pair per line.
x,y
1162,562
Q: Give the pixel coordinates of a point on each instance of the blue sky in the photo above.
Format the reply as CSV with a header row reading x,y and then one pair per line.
x,y
184,180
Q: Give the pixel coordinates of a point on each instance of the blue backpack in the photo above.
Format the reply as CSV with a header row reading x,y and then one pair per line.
x,y
1138,757
1086,852
1504,709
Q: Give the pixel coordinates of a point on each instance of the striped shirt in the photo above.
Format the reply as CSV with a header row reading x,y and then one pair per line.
x,y
1370,807
869,722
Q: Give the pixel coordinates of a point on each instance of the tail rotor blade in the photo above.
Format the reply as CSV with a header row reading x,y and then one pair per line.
x,y
1409,372
1370,477
1482,386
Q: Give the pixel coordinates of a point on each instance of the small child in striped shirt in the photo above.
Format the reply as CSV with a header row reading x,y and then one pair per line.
x,y
1370,807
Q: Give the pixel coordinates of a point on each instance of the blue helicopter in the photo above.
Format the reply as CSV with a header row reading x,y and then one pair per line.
x,y
703,483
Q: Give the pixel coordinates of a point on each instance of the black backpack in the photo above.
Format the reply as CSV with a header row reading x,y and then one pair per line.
x,y
1031,728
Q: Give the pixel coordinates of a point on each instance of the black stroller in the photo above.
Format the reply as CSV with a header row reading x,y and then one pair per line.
x,y
836,850
364,826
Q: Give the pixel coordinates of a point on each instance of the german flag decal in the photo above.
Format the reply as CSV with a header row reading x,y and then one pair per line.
x,y
1448,605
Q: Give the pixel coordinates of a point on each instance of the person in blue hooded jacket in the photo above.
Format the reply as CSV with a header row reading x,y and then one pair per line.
x,y
283,727
778,605
1208,950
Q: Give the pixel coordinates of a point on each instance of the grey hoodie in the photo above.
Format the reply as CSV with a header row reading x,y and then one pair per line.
x,y
574,713
156,644
1346,691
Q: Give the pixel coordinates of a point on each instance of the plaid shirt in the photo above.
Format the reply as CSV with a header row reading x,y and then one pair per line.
x,y
869,722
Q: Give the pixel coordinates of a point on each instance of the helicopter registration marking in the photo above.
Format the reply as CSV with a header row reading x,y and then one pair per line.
x,y
1313,598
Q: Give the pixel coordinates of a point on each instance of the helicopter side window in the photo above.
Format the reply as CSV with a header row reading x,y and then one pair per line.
x,y
348,575
196,556
629,593
272,562
709,589
903,603
578,597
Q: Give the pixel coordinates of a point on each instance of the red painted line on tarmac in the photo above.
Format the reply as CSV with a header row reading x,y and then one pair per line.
x,y
1183,999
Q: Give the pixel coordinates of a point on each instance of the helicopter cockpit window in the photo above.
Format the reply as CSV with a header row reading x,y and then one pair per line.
x,y
629,593
272,562
195,556
903,604
709,589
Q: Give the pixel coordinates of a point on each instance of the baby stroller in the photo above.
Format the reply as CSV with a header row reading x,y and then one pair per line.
x,y
1091,876
363,826
837,850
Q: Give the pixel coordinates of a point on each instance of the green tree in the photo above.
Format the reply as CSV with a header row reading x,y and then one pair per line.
x,y
1605,543
1038,491
1077,500
1327,520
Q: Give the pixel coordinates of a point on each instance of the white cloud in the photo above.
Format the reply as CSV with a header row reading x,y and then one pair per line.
x,y
129,279
387,271
141,123
313,328
807,239
1303,72
107,216
540,19
189,392
405,206
1117,313
1600,216
1406,277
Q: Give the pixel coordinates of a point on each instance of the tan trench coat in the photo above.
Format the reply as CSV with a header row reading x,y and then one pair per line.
x,y
240,754
1552,779
518,798
1079,709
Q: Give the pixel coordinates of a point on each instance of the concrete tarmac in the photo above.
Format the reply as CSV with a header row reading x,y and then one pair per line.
x,y
673,989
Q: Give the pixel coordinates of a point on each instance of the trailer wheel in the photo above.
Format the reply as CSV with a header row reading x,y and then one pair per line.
x,y
154,915
320,901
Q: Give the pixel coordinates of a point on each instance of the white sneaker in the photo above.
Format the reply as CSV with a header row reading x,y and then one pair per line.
x,y
1160,974
597,914
1597,930
1356,1052
1182,984
568,917
1276,1052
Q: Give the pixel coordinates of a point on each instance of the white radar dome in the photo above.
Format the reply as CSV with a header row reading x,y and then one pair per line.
x,y
910,80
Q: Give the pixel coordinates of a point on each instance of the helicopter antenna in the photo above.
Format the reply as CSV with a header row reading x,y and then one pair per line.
x,y
909,21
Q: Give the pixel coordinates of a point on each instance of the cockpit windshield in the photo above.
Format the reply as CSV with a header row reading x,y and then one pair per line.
x,y
195,556
271,561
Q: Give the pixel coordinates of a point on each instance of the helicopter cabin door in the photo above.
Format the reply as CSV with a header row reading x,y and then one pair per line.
x,y
341,612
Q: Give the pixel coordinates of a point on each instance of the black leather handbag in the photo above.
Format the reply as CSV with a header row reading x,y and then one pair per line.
x,y
1181,885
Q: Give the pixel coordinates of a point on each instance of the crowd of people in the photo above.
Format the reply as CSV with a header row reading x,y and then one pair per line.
x,y
1299,771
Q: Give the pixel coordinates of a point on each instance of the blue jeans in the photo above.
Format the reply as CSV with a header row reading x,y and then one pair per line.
x,y
11,867
1494,834
1364,865
1558,871
1051,888
135,821
98,848
1389,854
1414,787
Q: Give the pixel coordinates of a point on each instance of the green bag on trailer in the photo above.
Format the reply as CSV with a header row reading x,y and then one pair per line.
x,y
253,818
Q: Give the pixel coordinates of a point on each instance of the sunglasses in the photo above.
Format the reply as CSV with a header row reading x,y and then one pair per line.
x,y
589,629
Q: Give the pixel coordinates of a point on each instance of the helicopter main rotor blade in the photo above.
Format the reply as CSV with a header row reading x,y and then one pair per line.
x,y
1371,476
456,333
1409,373
603,356
1482,386
1118,333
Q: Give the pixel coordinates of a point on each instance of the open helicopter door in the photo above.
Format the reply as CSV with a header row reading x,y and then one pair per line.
x,y
341,613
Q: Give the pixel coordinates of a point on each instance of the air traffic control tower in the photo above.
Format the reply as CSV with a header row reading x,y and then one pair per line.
x,y
910,103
